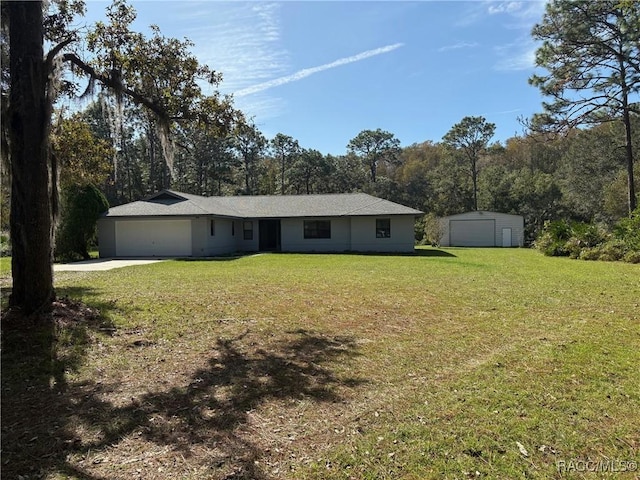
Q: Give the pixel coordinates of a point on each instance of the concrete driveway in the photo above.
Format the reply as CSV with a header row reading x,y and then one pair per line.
x,y
101,264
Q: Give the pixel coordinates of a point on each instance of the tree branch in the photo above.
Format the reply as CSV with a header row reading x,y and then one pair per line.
x,y
115,85
54,51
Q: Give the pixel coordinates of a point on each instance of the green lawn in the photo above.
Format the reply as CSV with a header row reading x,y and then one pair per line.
x,y
5,266
458,363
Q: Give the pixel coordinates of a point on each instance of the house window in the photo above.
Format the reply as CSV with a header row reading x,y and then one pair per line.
x,y
212,227
317,229
247,229
383,228
233,229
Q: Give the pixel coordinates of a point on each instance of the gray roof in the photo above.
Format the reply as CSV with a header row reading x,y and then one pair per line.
x,y
172,203
480,213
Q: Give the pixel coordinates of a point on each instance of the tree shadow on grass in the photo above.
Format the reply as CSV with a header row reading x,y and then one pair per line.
x,y
53,426
38,352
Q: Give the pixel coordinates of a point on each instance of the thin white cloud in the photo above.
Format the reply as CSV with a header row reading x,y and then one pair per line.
x,y
244,42
472,13
520,17
458,46
521,13
505,7
261,106
299,75
503,112
516,56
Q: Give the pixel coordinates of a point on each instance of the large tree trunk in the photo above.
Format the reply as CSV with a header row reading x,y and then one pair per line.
x,y
474,180
631,193
247,188
32,184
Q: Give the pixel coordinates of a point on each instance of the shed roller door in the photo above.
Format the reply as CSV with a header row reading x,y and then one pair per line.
x,y
153,238
472,233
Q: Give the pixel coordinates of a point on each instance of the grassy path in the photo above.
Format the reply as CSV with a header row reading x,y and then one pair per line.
x,y
459,363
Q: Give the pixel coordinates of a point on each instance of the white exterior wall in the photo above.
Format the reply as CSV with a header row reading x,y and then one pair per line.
x,y
153,237
363,234
347,234
243,245
501,221
201,243
515,223
206,245
106,237
292,236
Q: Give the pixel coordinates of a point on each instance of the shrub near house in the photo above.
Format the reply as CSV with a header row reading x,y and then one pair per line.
x,y
82,205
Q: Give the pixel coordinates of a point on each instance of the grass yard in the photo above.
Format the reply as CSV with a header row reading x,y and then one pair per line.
x,y
458,363
5,266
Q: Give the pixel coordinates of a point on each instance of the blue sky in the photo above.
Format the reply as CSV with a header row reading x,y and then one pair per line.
x,y
322,72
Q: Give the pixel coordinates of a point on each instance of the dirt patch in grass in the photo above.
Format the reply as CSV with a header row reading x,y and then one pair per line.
x,y
234,408
38,353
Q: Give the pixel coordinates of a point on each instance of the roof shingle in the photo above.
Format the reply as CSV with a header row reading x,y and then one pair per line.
x,y
172,203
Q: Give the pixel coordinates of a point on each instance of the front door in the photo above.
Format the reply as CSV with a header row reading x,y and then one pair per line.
x,y
269,235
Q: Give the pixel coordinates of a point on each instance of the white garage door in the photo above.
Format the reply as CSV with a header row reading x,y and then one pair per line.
x,y
153,238
472,233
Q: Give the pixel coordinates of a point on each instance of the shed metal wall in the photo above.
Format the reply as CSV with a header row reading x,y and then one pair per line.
x,y
472,233
501,221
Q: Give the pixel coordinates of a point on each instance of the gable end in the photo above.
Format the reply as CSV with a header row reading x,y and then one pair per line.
x,y
165,197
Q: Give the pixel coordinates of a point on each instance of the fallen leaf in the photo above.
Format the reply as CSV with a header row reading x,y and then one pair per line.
x,y
523,450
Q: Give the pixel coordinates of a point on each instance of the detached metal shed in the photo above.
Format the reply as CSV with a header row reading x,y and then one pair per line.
x,y
482,229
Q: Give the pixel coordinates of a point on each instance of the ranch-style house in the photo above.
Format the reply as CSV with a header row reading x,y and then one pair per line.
x,y
175,224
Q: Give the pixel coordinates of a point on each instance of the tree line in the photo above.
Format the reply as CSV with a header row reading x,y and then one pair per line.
x,y
579,175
